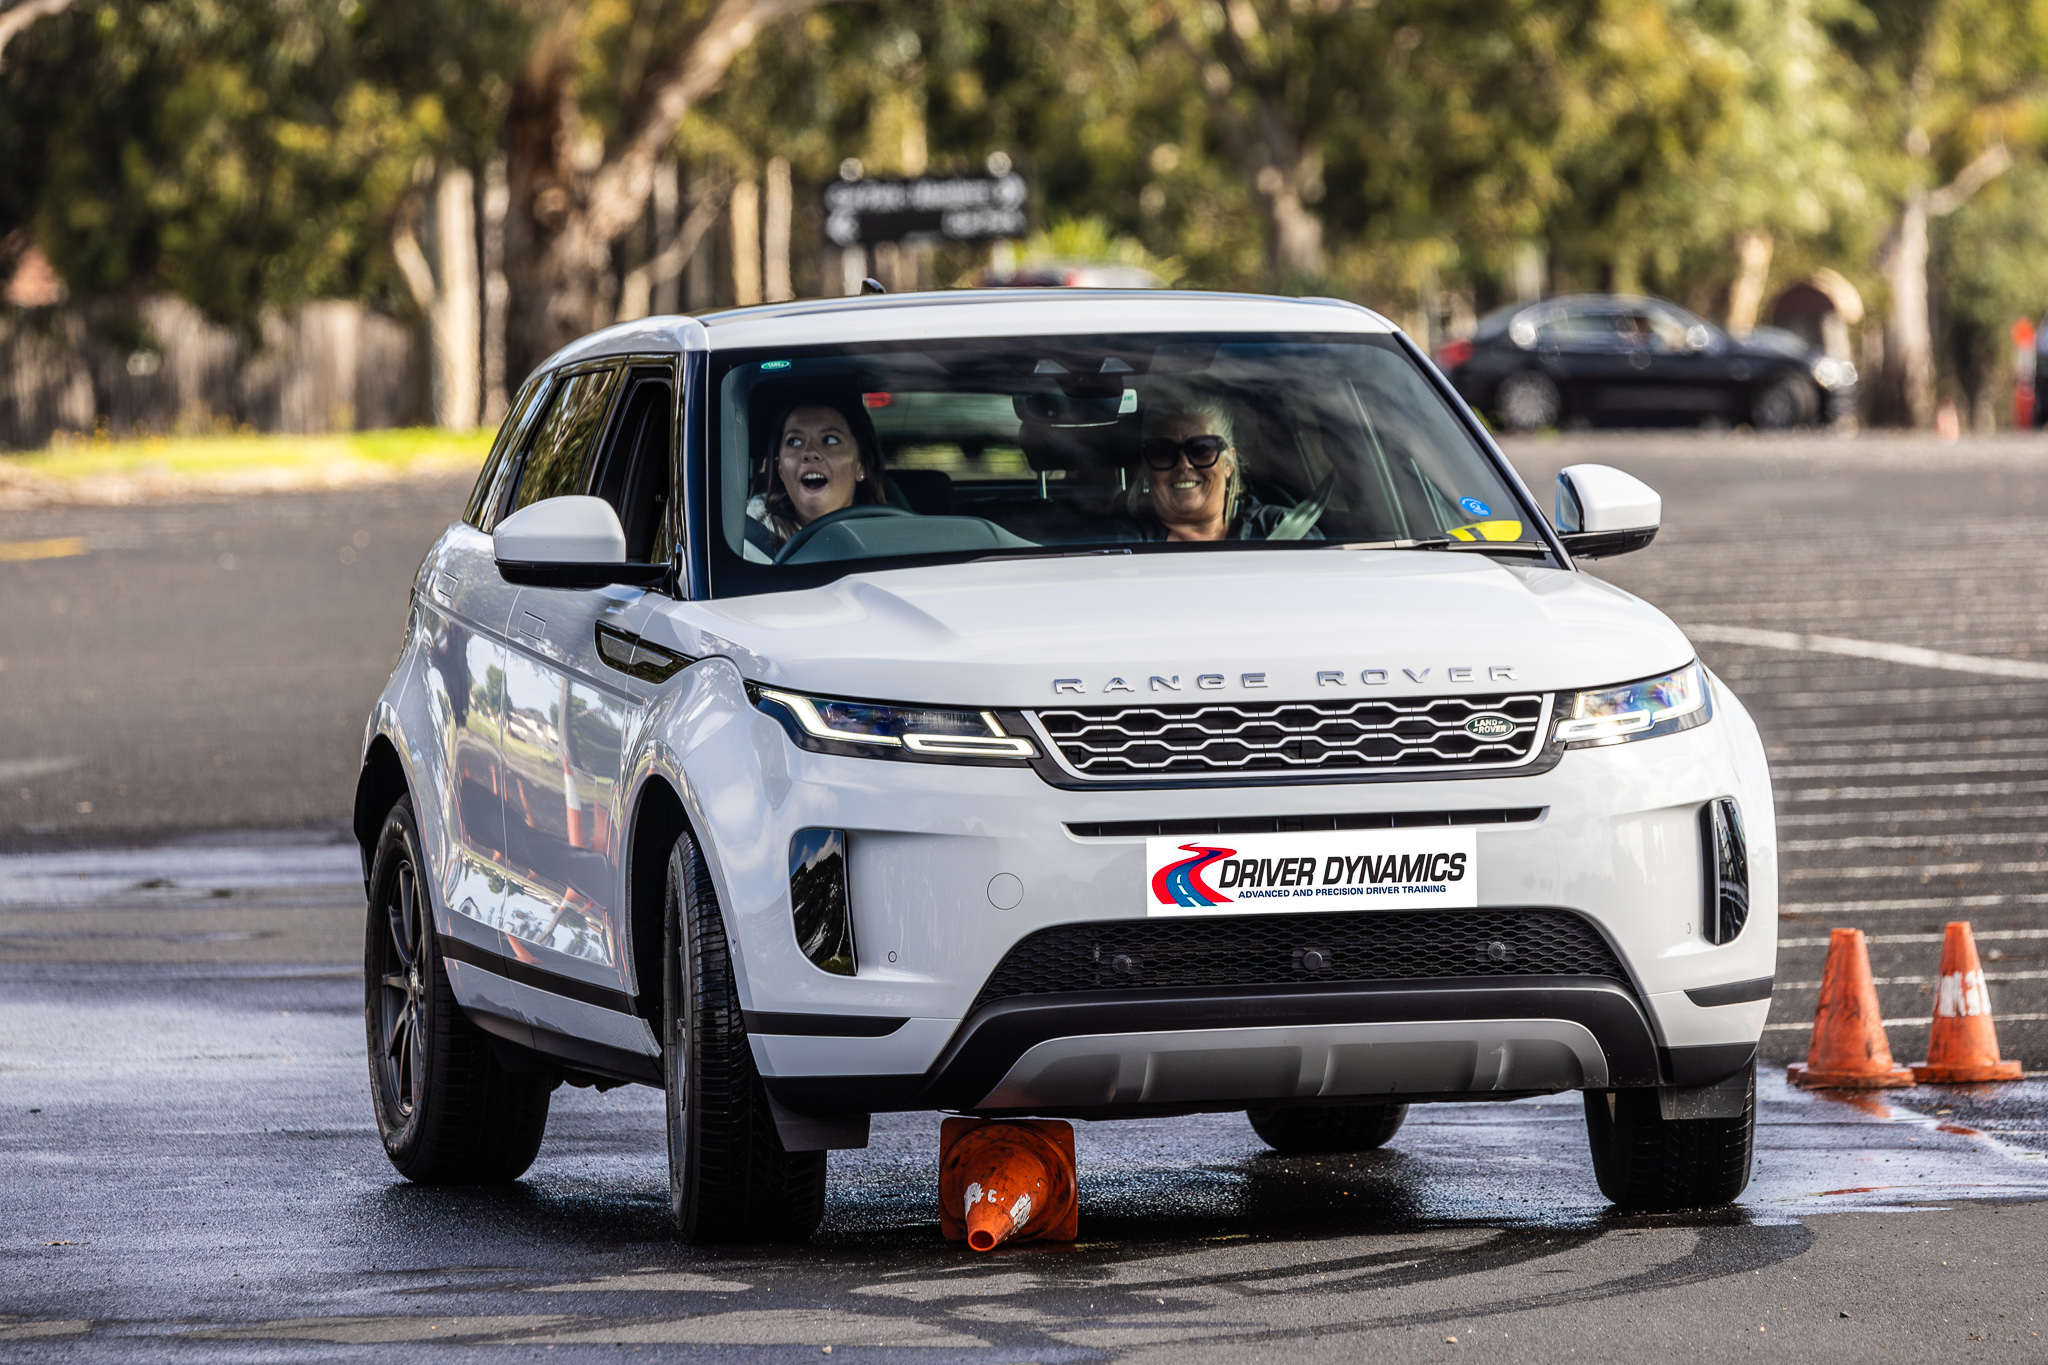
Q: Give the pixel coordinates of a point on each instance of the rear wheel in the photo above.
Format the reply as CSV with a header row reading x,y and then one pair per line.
x,y
1646,1161
1306,1130
1528,400
1790,402
448,1113
729,1179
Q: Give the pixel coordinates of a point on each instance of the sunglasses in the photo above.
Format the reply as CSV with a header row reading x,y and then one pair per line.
x,y
1201,451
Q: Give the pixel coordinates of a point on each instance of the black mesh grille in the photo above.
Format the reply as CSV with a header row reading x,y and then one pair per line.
x,y
1279,950
1225,739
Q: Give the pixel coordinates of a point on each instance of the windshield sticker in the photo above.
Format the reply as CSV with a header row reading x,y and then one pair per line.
x,y
1487,530
1339,870
775,364
1475,508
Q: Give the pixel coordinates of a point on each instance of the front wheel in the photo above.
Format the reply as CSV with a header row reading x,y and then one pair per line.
x,y
1646,1161
449,1114
729,1179
1310,1130
1788,403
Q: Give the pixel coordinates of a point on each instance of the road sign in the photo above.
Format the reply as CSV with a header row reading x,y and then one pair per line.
x,y
961,208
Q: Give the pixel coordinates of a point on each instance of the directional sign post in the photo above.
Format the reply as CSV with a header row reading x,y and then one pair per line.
x,y
964,208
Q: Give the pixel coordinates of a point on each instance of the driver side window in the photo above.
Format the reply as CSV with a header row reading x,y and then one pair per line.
x,y
633,471
558,461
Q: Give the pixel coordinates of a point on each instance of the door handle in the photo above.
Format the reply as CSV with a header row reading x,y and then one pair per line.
x,y
444,587
532,626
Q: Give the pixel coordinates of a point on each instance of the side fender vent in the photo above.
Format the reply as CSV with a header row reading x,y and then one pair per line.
x,y
1724,857
819,910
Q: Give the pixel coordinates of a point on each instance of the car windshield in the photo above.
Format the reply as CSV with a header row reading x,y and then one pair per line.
x,y
832,459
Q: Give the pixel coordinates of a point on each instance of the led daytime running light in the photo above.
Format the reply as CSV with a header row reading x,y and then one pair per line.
x,y
1618,712
995,744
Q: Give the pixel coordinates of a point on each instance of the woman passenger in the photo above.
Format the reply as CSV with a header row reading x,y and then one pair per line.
x,y
826,459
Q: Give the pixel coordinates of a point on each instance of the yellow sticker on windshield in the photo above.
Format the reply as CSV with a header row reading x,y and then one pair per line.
x,y
1488,530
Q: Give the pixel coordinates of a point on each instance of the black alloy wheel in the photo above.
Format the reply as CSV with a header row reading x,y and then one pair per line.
x,y
1311,1129
729,1178
1789,401
449,1112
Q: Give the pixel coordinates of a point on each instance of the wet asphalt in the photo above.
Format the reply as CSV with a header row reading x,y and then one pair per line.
x,y
188,1167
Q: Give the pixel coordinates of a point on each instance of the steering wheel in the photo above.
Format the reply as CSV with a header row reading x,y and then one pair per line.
x,y
857,512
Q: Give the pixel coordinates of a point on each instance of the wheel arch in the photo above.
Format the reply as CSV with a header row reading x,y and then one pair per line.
x,y
658,820
381,783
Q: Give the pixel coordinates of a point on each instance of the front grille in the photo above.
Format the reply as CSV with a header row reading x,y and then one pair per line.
x,y
1297,824
1284,950
1234,738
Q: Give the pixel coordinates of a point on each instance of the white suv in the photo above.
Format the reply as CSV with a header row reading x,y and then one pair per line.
x,y
1088,705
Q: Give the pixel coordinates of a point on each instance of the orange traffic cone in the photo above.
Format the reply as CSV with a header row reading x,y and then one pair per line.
x,y
1007,1179
1848,1051
1963,1045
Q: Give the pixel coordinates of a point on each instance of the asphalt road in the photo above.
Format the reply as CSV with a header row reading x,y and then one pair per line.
x,y
187,1163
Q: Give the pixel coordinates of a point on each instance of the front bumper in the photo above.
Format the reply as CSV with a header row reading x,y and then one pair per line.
x,y
1616,842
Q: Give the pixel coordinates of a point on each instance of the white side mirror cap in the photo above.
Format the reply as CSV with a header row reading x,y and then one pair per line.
x,y
1602,511
566,530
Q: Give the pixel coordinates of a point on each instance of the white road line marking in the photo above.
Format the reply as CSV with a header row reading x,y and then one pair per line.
x,y
1929,791
1946,903
1916,1022
1913,980
1921,816
1922,871
1911,655
1908,767
16,769
1955,839
1980,935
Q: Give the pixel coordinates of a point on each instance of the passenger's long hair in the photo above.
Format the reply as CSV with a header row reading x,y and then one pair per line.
x,y
853,412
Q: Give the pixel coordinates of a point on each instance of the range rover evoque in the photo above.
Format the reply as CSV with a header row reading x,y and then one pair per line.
x,y
1095,706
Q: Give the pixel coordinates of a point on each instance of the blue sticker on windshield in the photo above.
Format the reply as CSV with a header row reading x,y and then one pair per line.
x,y
1475,507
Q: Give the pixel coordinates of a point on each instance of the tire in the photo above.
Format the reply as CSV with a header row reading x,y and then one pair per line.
x,y
729,1180
1789,402
1528,400
449,1114
1308,1130
1646,1161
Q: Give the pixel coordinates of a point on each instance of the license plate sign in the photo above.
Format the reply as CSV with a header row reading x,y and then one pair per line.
x,y
1400,869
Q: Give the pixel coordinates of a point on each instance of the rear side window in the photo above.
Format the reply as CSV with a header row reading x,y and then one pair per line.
x,y
558,463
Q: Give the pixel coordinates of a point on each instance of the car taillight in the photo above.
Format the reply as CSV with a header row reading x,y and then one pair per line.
x,y
1452,354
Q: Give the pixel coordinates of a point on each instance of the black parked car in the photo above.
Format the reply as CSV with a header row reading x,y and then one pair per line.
x,y
1622,360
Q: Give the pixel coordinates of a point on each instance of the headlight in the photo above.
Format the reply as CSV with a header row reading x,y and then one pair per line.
x,y
871,730
1637,710
1833,374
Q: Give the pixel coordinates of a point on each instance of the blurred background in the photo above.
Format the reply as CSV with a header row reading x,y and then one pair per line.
x,y
325,216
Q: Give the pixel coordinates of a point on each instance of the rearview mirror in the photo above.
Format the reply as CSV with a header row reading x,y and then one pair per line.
x,y
568,542
1602,511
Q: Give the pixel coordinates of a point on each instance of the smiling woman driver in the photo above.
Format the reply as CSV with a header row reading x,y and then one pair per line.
x,y
826,459
1190,486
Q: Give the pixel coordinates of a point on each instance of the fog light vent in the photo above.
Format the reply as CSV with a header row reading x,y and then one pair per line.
x,y
1724,857
817,899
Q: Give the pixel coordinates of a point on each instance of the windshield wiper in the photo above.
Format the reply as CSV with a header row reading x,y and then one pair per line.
x,y
1515,547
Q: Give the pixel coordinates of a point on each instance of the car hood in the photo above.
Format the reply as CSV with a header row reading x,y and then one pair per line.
x,y
1095,629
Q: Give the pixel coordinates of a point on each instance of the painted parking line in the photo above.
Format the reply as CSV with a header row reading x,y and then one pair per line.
x,y
1911,655
61,547
1818,941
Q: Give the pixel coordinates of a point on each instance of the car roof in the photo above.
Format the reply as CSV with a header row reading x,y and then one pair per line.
x,y
963,313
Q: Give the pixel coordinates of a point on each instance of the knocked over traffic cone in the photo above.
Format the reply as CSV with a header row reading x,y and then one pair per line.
x,y
1848,1051
1963,1045
1004,1179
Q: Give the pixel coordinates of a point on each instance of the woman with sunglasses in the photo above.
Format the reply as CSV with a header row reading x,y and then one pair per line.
x,y
1190,486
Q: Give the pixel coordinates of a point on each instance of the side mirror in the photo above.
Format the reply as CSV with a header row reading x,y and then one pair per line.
x,y
1602,511
569,542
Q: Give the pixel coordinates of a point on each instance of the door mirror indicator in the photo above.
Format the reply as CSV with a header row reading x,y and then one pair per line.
x,y
568,542
1602,511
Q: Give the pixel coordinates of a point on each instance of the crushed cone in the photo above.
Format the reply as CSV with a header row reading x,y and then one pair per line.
x,y
1007,1180
1848,1051
1963,1044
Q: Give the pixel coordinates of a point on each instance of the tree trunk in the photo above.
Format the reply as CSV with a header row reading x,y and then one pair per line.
x,y
775,229
453,324
1294,234
568,207
1752,273
1905,390
746,244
